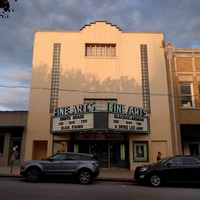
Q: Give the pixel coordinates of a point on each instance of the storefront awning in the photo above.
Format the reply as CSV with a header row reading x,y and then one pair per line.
x,y
12,126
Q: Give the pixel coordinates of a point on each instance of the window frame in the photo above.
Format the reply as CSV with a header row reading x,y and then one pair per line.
x,y
100,50
190,162
144,156
2,143
190,103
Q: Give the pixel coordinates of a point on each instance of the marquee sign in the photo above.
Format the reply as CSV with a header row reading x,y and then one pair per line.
x,y
90,107
125,122
72,123
84,117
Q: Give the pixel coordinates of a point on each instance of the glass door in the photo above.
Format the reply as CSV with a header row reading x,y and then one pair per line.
x,y
106,153
15,148
112,154
100,149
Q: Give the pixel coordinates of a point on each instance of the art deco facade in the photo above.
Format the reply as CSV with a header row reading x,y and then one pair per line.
x,y
99,90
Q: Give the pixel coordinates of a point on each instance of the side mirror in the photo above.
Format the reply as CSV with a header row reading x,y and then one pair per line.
x,y
169,164
50,159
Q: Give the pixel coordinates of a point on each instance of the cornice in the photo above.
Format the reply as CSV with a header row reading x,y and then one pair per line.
x,y
100,22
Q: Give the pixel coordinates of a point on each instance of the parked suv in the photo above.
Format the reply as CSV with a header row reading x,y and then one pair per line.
x,y
83,166
172,169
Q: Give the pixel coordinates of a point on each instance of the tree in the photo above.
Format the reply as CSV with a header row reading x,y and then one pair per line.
x,y
5,8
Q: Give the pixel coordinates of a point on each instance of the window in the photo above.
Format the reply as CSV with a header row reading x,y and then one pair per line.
x,y
84,157
1,144
190,161
58,157
186,95
176,161
140,151
100,50
76,148
100,104
59,146
194,149
122,151
73,157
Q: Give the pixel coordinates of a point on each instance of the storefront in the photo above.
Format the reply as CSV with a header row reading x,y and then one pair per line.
x,y
184,80
111,153
12,133
190,139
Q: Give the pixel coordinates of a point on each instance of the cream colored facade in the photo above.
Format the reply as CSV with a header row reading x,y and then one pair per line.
x,y
91,77
183,66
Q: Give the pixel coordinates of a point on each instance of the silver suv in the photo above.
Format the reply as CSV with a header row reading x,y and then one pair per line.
x,y
83,166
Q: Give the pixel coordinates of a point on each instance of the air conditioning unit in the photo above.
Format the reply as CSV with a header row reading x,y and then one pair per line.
x,y
187,105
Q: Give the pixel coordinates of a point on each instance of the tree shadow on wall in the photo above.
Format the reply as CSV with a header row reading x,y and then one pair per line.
x,y
75,81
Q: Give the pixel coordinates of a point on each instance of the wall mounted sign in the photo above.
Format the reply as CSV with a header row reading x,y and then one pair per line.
x,y
99,136
84,118
70,123
140,151
125,122
90,107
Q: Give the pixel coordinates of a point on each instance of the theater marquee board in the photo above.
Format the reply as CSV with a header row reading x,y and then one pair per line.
x,y
123,122
70,123
85,118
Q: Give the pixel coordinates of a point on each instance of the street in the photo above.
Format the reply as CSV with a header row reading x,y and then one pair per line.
x,y
18,188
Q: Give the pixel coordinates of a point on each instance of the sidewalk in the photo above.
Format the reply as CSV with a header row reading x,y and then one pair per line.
x,y
8,171
105,174
116,175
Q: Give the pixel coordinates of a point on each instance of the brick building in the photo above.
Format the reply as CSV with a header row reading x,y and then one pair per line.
x,y
183,66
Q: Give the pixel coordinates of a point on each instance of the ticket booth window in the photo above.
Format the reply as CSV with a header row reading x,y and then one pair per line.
x,y
76,148
122,152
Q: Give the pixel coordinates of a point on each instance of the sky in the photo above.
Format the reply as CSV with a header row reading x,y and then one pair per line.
x,y
179,20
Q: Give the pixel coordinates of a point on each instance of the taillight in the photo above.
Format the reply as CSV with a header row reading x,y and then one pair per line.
x,y
96,164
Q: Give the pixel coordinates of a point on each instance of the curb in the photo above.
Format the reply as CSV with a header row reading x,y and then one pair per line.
x,y
96,179
11,175
115,179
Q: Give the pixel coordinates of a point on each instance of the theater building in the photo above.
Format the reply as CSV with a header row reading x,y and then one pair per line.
x,y
99,90
183,66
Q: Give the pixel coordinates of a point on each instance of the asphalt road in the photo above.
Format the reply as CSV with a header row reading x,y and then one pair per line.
x,y
18,188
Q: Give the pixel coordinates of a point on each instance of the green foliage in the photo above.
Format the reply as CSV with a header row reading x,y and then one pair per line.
x,y
5,8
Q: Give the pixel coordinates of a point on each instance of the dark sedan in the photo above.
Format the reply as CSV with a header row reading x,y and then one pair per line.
x,y
184,169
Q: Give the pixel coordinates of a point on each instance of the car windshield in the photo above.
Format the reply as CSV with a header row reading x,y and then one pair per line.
x,y
162,161
57,157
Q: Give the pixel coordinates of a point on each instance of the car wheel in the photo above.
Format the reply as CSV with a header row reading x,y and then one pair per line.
x,y
84,177
33,175
155,180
